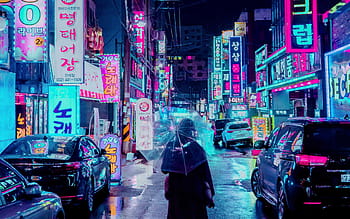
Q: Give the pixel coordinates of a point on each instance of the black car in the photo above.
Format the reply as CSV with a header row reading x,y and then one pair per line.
x,y
219,128
20,198
304,164
70,165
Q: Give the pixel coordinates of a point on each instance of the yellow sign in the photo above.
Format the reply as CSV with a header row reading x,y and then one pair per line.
x,y
240,29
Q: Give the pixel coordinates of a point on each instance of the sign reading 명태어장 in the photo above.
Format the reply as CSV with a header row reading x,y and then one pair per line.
x,y
235,51
301,25
30,31
63,109
69,43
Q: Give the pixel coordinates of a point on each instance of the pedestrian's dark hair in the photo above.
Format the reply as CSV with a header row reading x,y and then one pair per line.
x,y
186,130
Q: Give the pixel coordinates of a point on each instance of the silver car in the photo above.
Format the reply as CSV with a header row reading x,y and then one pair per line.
x,y
21,199
237,133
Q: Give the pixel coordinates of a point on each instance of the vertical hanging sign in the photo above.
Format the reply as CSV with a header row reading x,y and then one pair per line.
x,y
139,31
69,41
301,25
110,70
235,60
30,31
64,109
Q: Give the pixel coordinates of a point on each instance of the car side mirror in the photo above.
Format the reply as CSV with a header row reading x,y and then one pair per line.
x,y
259,144
32,190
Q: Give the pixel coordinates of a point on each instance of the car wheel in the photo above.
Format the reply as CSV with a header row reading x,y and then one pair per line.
x,y
255,183
89,197
282,208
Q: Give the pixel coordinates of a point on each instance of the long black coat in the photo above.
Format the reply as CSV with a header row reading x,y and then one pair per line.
x,y
186,193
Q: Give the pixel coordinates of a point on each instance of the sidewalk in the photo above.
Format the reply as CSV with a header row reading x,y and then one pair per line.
x,y
140,192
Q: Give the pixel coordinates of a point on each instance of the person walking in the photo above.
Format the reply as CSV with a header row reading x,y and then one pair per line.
x,y
188,186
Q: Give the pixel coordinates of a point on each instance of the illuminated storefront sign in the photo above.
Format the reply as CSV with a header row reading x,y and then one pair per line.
x,y
94,39
217,53
64,109
294,65
260,128
216,85
144,124
110,70
240,28
139,31
112,145
338,82
69,43
30,31
236,82
301,25
20,120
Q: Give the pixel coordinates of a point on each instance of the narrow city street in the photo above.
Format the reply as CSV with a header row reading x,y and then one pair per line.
x,y
141,193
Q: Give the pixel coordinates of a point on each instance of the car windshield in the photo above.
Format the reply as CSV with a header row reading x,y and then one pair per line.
x,y
239,126
58,147
327,138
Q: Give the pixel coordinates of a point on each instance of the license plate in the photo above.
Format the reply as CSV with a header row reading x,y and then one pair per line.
x,y
345,178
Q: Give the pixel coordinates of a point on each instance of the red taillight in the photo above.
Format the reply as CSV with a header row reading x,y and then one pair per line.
x,y
68,166
255,152
229,131
310,160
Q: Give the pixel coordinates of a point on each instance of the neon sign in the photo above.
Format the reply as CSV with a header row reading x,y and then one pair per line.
x,y
69,43
110,69
63,109
139,31
235,51
301,25
30,31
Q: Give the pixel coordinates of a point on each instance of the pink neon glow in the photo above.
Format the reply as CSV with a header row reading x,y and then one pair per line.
x,y
312,203
288,26
301,84
310,160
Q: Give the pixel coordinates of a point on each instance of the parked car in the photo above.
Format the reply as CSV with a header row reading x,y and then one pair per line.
x,y
21,199
238,133
219,128
304,162
70,165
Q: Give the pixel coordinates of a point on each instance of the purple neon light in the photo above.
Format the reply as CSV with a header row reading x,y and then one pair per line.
x,y
288,27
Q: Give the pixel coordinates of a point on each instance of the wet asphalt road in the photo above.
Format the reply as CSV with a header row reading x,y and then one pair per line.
x,y
140,195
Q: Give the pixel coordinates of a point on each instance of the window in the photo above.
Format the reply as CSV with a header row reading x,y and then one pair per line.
x,y
11,185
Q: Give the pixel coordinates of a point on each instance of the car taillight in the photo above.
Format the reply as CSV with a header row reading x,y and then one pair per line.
x,y
68,166
255,152
310,160
229,131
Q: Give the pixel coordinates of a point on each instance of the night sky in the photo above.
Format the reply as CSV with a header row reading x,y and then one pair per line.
x,y
218,15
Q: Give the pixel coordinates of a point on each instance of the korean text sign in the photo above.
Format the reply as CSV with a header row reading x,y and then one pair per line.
x,y
110,70
30,31
144,124
301,25
139,31
69,43
112,145
63,109
235,60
